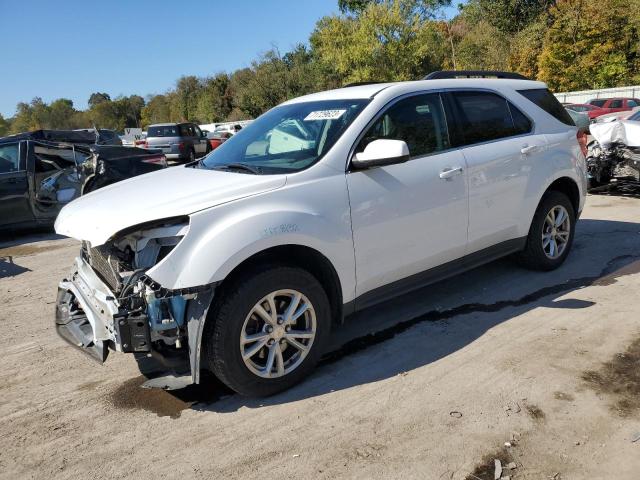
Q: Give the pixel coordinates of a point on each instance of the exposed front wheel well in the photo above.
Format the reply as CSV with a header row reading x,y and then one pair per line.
x,y
299,256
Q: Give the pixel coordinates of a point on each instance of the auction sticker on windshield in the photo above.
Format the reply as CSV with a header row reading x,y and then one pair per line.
x,y
324,115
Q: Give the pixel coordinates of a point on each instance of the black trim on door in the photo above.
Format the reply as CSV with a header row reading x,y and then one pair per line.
x,y
433,275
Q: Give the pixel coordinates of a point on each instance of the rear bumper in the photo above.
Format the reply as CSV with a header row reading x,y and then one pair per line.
x,y
176,156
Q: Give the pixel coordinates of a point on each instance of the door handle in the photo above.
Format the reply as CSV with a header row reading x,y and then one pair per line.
x,y
450,172
527,149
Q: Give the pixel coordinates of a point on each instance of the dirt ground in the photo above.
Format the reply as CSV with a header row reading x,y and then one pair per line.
x,y
429,386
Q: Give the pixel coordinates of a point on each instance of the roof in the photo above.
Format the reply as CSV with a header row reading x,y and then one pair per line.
x,y
66,136
371,90
169,124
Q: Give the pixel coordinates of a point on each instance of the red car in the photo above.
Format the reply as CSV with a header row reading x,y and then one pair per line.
x,y
591,110
611,105
218,138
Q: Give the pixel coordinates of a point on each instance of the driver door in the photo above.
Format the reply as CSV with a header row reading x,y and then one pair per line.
x,y
410,217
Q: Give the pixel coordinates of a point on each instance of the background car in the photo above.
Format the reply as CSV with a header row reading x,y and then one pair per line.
x,y
104,136
591,110
38,175
610,105
611,117
178,141
217,138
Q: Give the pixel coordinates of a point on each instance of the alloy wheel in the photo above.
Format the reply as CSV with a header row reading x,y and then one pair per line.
x,y
555,232
278,333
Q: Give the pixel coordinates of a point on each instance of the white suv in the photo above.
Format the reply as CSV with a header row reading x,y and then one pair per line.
x,y
240,263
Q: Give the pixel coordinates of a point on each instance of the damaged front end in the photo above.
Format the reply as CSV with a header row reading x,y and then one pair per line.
x,y
614,152
110,303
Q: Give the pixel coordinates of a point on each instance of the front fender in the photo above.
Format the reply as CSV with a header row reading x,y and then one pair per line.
x,y
221,238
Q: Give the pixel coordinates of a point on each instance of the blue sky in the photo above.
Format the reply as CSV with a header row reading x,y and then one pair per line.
x,y
71,48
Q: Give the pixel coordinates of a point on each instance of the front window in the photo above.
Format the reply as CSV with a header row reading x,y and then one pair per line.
x,y
598,103
419,121
288,138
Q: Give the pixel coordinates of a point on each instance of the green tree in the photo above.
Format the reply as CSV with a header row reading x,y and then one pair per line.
x,y
424,8
185,101
215,99
482,47
526,47
508,16
387,42
5,126
590,44
61,114
97,98
157,110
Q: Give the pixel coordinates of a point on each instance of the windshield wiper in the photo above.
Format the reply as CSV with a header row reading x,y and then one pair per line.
x,y
239,166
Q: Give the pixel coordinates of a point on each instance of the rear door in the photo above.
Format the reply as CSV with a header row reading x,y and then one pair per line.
x,y
500,147
14,185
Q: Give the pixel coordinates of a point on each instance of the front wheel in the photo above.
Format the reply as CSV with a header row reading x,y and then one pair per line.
x,y
267,330
551,233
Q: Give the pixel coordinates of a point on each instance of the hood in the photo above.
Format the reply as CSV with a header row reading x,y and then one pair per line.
x,y
166,193
626,132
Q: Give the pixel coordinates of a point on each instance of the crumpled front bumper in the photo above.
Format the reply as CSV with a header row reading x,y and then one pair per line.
x,y
89,317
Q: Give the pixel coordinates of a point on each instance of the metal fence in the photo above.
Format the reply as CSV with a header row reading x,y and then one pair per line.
x,y
585,95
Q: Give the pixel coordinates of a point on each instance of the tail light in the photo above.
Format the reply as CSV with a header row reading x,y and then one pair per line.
x,y
582,141
156,160
181,145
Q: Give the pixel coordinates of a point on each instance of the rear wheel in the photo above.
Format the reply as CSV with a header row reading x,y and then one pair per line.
x,y
268,330
551,233
192,156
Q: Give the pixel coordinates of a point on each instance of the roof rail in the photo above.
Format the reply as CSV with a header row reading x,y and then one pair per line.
x,y
444,74
357,84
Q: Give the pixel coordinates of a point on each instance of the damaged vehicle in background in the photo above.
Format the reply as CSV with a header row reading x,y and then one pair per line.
x,y
240,263
42,171
615,151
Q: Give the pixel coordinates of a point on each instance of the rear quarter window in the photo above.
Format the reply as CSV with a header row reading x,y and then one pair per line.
x,y
544,99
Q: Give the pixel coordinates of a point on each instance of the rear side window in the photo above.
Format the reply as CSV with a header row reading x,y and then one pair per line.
x,y
549,103
632,103
615,104
163,131
486,116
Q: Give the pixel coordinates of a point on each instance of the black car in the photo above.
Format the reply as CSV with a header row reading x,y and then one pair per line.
x,y
41,171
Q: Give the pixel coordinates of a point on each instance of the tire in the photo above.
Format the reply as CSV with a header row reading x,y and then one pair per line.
x,y
536,256
192,156
234,314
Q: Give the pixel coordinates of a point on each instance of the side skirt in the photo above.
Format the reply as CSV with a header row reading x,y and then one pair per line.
x,y
433,275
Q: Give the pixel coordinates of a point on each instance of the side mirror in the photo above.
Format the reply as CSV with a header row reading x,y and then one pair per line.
x,y
380,153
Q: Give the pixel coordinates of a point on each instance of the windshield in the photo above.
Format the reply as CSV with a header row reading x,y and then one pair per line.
x,y
287,138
